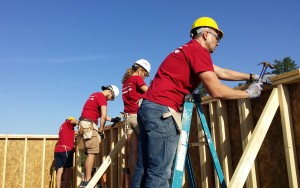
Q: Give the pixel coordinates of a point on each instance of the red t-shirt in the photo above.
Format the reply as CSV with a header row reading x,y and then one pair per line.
x,y
92,108
177,75
65,137
131,93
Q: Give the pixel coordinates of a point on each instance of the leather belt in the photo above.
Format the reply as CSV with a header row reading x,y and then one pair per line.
x,y
85,119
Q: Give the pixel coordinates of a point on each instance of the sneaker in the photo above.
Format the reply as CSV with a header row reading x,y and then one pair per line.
x,y
84,183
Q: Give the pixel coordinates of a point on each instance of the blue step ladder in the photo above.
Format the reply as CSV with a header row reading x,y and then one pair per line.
x,y
182,157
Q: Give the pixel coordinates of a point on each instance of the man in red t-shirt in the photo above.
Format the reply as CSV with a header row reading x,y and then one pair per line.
x,y
178,75
133,89
63,152
94,108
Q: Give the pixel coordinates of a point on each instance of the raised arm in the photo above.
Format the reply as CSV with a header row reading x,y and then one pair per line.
x,y
218,90
231,75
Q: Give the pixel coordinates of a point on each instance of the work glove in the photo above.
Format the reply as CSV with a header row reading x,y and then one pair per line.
x,y
265,79
254,90
115,121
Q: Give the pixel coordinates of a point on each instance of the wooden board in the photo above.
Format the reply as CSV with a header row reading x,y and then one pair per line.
x,y
252,148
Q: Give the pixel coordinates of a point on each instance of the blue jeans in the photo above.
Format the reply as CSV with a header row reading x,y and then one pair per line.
x,y
157,145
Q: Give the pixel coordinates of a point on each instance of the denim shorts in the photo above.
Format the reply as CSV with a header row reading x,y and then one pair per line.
x,y
63,159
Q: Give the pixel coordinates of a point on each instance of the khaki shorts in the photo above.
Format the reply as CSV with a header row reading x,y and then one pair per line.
x,y
131,123
86,127
92,145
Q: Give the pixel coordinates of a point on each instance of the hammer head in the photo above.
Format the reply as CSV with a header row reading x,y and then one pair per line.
x,y
267,64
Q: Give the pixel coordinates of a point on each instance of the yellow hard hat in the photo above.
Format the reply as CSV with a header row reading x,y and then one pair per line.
x,y
205,22
70,118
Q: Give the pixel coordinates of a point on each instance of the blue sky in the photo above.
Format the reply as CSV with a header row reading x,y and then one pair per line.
x,y
54,54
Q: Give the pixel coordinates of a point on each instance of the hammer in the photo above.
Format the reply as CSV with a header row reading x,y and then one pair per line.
x,y
263,71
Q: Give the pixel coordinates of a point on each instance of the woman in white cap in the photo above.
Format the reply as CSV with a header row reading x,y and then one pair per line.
x,y
133,89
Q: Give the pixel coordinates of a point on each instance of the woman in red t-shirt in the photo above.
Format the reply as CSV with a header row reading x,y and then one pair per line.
x,y
133,89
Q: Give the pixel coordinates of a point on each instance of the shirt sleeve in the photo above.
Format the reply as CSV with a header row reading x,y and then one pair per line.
x,y
140,82
102,101
201,62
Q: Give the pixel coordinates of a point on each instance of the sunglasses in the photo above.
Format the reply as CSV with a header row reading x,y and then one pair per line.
x,y
217,36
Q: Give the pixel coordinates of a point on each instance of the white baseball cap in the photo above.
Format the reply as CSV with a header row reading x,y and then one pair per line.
x,y
112,88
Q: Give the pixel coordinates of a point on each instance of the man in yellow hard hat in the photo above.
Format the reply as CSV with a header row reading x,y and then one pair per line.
x,y
178,75
63,152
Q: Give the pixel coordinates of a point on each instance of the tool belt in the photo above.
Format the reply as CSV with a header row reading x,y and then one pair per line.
x,y
86,127
67,148
86,119
126,115
139,102
176,117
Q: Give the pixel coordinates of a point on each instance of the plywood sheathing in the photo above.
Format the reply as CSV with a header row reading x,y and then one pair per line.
x,y
24,162
34,164
294,91
49,161
235,132
271,156
14,163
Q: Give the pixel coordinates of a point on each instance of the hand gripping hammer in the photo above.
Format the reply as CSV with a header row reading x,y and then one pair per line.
x,y
263,71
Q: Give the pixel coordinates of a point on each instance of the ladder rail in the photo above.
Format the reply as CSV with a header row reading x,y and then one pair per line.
x,y
189,169
211,146
181,154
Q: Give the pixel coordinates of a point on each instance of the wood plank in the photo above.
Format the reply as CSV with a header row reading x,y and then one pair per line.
x,y
214,131
104,153
4,162
288,136
24,163
293,78
252,148
114,164
107,162
123,177
78,167
112,145
208,100
15,136
285,76
246,125
43,163
224,140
